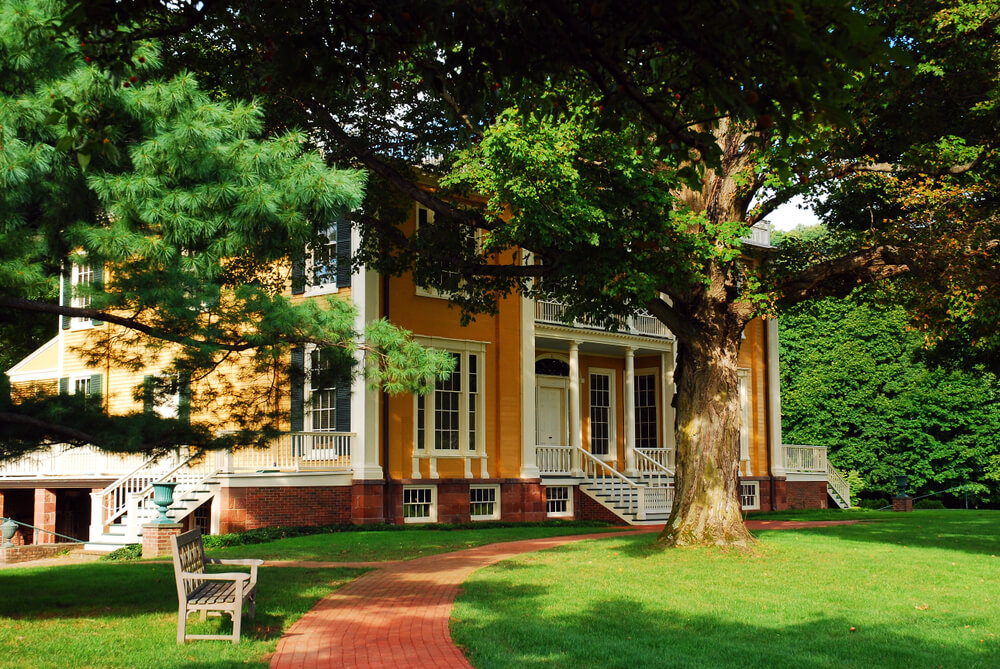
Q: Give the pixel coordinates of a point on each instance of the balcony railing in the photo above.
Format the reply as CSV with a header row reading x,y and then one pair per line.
x,y
67,461
805,459
760,234
641,324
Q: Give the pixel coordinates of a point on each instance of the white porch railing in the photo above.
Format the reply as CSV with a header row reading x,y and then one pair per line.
x,y
297,452
600,474
651,464
554,460
70,461
640,324
805,459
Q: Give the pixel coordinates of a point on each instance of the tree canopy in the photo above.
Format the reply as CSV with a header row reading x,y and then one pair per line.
x,y
191,210
628,146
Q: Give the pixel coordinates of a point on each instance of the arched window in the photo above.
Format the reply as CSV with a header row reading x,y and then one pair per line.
x,y
552,367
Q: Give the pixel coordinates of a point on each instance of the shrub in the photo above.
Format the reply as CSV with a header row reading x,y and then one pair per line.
x,y
874,503
125,553
929,504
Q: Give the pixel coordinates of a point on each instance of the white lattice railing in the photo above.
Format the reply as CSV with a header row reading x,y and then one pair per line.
x,y
554,460
298,451
640,324
79,461
838,483
805,459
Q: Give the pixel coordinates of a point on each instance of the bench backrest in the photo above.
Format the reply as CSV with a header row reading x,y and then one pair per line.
x,y
189,556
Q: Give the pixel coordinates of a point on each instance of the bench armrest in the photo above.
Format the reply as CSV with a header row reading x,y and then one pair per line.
x,y
246,562
227,576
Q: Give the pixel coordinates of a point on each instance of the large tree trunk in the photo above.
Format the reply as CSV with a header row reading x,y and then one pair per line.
x,y
706,507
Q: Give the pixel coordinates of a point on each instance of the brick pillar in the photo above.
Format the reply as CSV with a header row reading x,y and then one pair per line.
x,y
902,503
45,515
367,502
156,538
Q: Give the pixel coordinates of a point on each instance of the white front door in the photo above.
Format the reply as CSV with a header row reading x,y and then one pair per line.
x,y
551,428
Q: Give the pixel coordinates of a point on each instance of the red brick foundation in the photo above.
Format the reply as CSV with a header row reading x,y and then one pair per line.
x,y
520,500
45,515
250,508
156,538
367,502
902,504
586,507
804,495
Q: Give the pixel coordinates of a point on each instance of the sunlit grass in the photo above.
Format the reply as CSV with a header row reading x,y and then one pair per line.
x,y
919,590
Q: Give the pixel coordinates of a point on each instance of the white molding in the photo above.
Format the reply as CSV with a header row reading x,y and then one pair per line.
x,y
529,454
286,479
31,356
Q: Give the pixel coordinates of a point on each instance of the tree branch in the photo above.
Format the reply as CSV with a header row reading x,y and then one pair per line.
x,y
667,314
62,432
838,276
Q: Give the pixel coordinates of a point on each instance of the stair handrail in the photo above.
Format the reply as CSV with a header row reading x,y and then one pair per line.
x,y
115,509
640,501
645,463
147,493
165,478
840,485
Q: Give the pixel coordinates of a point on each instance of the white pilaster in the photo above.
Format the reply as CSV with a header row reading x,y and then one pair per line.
x,y
364,401
630,469
529,440
575,427
774,400
667,395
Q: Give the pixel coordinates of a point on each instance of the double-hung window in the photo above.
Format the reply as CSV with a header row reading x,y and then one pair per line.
x,y
321,262
83,277
602,438
449,418
322,406
646,412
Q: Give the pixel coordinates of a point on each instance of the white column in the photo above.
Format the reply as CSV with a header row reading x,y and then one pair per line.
x,y
630,469
529,440
667,395
366,449
774,400
575,427
96,515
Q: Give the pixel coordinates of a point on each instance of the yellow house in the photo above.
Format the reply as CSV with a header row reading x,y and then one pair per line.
x,y
540,419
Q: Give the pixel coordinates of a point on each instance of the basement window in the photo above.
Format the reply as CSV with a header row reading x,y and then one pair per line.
x,y
558,503
483,502
750,495
419,504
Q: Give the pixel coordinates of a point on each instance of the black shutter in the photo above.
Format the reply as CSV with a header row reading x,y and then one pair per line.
x,y
343,253
147,394
298,379
98,284
299,272
184,399
67,293
96,386
342,408
64,385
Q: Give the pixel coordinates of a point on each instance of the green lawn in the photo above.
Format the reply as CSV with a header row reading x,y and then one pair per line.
x,y
125,615
919,589
393,544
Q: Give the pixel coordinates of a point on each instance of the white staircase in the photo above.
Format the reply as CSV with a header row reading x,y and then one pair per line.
x,y
119,511
837,487
643,499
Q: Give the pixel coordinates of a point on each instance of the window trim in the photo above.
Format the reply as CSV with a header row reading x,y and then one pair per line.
x,y
657,403
309,288
495,487
756,496
612,454
568,513
426,291
432,509
743,381
73,380
79,302
464,349
307,392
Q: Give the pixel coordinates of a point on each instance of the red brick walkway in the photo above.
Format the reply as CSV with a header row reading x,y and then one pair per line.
x,y
397,616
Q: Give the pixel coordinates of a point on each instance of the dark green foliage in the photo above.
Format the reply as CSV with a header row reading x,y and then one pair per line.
x,y
850,382
929,504
124,554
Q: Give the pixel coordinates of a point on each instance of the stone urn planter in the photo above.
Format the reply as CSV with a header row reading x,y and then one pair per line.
x,y
163,497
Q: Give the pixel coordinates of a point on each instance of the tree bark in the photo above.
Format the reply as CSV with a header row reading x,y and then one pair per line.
x,y
706,508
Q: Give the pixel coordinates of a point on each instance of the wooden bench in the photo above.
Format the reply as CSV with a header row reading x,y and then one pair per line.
x,y
215,593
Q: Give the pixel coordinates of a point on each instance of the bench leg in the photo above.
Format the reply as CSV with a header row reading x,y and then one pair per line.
x,y
253,605
237,620
181,623
204,615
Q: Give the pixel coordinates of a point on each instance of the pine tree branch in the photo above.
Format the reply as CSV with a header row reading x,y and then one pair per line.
x,y
61,432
